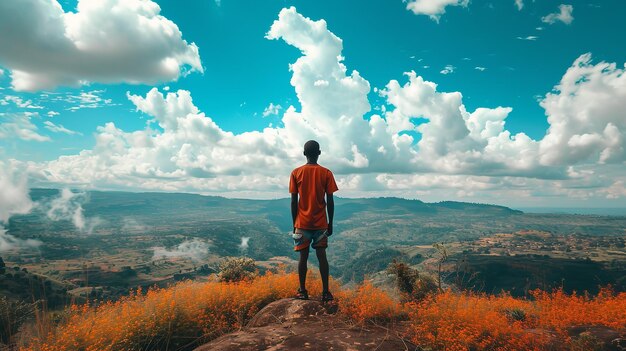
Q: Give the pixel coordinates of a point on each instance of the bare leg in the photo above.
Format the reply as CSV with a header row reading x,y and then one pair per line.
x,y
302,268
321,256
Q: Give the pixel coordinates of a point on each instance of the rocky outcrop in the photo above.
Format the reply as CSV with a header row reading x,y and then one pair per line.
x,y
600,337
290,324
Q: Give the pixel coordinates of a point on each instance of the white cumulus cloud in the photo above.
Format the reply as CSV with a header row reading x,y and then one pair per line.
x,y
519,4
107,41
448,69
587,115
433,8
564,15
422,130
271,110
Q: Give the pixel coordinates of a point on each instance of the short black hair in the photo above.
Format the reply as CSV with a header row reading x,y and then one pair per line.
x,y
312,148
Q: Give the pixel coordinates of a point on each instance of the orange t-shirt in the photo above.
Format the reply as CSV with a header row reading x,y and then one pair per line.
x,y
311,182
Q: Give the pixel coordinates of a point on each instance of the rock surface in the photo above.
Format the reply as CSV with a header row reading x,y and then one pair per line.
x,y
604,338
290,324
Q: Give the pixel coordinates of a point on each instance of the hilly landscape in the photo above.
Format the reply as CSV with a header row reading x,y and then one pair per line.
x,y
130,240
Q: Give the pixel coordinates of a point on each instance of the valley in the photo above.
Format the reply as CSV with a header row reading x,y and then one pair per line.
x,y
147,239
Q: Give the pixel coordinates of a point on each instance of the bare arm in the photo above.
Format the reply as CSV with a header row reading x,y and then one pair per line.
x,y
330,206
294,209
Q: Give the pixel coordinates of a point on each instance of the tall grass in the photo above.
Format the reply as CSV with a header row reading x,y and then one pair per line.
x,y
465,321
189,313
176,318
367,303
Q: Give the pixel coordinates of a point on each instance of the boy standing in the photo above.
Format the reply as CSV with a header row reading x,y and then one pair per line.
x,y
311,227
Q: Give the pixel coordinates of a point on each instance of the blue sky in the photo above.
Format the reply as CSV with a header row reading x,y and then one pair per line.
x,y
494,53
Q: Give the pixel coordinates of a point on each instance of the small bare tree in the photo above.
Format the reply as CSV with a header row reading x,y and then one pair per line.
x,y
12,315
443,257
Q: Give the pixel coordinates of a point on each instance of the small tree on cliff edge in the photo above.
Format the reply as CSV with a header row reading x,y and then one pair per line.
x,y
413,285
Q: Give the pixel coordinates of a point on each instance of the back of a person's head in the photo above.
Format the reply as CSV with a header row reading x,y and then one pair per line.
x,y
312,148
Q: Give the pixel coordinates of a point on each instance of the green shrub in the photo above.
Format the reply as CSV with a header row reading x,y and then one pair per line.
x,y
236,269
515,314
405,276
424,285
413,285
